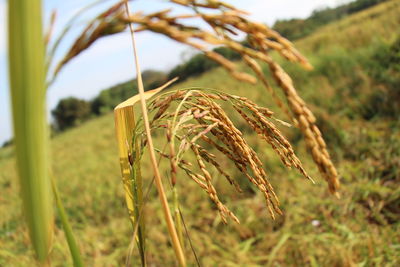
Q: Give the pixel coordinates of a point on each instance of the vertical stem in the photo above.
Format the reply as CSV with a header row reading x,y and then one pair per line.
x,y
173,167
177,216
69,235
27,81
163,198
137,189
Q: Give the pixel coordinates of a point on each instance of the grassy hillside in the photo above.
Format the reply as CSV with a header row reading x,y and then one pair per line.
x,y
356,31
361,228
294,28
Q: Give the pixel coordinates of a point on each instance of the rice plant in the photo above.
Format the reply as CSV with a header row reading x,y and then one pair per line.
x,y
197,124
226,22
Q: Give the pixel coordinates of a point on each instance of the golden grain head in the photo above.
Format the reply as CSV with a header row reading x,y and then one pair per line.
x,y
198,121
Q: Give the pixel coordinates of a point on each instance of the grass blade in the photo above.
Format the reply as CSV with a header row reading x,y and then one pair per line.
x,y
69,235
277,247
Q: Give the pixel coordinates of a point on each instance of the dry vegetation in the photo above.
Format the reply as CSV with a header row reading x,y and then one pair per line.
x,y
199,116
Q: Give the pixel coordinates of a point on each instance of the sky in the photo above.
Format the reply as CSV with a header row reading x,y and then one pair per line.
x,y
109,61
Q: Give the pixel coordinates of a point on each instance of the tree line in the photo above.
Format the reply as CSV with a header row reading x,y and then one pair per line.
x,y
294,29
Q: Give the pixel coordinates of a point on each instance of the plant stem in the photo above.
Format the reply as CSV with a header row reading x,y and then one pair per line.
x,y
177,216
137,190
27,83
163,198
69,235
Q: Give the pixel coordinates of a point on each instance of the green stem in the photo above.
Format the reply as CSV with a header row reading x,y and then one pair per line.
x,y
137,188
31,133
69,235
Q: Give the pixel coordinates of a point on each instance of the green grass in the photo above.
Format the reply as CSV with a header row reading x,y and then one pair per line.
x,y
359,229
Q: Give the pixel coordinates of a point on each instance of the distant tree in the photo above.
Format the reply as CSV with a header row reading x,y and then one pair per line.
x,y
70,112
8,142
102,103
362,4
153,79
111,97
199,64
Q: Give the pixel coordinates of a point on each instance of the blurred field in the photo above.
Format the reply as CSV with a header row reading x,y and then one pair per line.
x,y
352,90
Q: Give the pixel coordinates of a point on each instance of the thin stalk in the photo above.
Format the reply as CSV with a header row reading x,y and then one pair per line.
x,y
140,215
31,133
190,240
177,216
163,198
137,189
139,218
171,138
69,235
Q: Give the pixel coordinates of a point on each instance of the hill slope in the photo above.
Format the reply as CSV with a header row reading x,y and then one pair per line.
x,y
316,229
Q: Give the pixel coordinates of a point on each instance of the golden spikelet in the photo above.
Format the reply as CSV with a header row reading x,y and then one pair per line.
x,y
199,119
